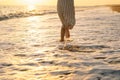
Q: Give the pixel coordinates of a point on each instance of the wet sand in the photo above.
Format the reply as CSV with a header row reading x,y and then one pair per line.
x,y
30,48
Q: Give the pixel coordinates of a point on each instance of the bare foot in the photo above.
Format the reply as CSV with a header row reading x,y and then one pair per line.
x,y
61,40
69,39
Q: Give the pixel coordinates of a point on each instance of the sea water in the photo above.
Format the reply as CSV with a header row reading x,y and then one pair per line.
x,y
8,12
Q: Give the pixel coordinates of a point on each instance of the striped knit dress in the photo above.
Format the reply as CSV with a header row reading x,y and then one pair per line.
x,y
66,12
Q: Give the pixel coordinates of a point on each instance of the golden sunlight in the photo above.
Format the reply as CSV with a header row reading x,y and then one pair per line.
x,y
53,2
33,2
31,7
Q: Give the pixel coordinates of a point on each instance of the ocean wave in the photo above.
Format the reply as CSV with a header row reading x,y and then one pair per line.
x,y
10,12
24,14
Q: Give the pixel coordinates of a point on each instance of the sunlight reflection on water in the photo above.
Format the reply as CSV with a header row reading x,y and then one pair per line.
x,y
31,7
35,31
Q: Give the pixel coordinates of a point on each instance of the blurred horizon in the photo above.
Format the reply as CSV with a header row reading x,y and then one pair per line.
x,y
54,2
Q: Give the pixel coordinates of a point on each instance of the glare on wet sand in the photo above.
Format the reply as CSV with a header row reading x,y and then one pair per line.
x,y
29,48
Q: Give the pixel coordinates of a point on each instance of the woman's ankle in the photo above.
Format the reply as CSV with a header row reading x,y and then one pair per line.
x,y
62,40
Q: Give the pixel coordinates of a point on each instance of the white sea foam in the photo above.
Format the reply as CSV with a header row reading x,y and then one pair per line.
x,y
8,12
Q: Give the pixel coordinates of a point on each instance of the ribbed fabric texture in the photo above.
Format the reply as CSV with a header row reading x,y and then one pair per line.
x,y
66,12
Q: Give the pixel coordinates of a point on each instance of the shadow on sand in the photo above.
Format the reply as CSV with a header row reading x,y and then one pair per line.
x,y
81,48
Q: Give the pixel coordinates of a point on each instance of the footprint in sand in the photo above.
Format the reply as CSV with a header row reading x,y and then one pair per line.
x,y
67,72
37,54
22,48
65,63
36,45
20,69
6,64
29,64
20,55
12,74
100,57
46,62
23,69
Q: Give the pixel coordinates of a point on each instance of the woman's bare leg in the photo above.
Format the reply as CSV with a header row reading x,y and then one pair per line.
x,y
62,34
67,32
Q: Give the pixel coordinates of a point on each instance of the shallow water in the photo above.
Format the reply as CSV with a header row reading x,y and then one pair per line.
x,y
10,12
30,47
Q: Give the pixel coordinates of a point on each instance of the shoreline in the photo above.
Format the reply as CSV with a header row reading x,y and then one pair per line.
x,y
30,48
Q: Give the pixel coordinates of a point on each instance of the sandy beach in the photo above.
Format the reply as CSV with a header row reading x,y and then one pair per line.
x,y
30,47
